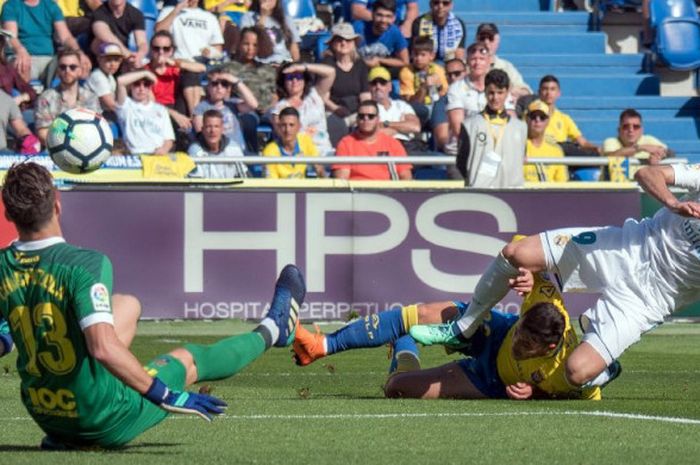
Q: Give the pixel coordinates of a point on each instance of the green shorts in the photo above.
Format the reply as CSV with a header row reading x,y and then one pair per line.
x,y
141,414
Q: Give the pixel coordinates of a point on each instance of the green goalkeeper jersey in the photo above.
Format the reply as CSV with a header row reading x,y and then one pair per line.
x,y
50,292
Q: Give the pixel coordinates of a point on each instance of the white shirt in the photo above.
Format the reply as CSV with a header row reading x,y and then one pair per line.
x,y
214,170
193,30
146,126
394,113
463,95
101,84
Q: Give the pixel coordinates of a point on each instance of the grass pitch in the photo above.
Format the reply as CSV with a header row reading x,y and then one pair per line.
x,y
333,412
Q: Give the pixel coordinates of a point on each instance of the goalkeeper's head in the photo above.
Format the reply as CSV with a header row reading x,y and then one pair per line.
x,y
538,332
29,197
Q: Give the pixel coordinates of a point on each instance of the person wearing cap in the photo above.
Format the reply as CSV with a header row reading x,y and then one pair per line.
x,y
102,81
350,86
406,13
145,124
491,149
539,146
113,22
396,117
367,140
382,41
488,33
10,80
446,30
35,26
68,94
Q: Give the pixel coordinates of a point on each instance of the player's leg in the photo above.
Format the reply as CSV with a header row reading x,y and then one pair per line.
x,y
126,310
445,382
372,331
228,356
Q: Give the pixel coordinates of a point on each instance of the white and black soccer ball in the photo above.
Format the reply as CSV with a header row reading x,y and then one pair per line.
x,y
79,141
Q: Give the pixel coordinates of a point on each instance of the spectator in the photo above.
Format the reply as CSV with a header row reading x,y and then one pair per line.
x,y
145,124
67,95
197,37
467,97
397,117
78,14
295,90
423,82
270,15
631,142
489,35
101,81
219,87
538,146
406,13
259,77
350,86
170,73
10,80
383,44
113,22
290,142
445,29
368,140
11,116
492,144
455,69
561,127
33,25
229,12
212,142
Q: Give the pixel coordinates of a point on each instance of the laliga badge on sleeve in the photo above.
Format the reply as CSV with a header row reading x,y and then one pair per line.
x,y
99,295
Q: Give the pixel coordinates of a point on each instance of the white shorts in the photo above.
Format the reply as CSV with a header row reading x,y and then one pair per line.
x,y
605,260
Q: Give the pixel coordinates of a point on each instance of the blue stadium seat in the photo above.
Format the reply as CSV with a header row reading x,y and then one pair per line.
x,y
586,174
678,43
298,9
660,10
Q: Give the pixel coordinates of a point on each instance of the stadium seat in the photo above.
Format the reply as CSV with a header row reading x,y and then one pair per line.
x,y
586,174
660,10
678,44
298,9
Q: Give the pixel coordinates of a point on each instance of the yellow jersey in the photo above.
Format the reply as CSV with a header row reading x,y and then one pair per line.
x,y
305,147
545,173
547,373
561,127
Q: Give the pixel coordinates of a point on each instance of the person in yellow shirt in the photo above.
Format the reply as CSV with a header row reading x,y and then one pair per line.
x,y
423,81
538,146
510,356
290,142
561,127
631,142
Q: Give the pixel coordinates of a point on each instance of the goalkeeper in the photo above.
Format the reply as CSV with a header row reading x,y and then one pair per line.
x,y
509,357
79,381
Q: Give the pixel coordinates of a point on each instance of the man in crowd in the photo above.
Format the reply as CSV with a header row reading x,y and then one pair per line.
x,y
406,13
455,70
383,44
488,33
212,142
538,146
113,22
446,30
290,142
631,142
368,140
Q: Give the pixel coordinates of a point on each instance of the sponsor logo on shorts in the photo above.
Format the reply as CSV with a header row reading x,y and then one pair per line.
x,y
100,298
562,239
481,137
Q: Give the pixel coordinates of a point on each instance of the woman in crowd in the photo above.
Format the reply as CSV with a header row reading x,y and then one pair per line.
x,y
270,15
295,89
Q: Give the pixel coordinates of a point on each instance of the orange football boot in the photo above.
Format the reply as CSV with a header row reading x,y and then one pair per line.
x,y
308,346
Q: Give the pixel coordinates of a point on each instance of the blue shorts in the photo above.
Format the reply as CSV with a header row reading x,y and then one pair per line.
x,y
480,366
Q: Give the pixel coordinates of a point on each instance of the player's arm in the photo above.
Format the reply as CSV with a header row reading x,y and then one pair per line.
x,y
656,179
104,345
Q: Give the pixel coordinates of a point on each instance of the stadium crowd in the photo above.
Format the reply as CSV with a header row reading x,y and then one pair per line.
x,y
218,77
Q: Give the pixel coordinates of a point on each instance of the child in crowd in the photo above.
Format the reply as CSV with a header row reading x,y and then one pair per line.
x,y
102,81
422,82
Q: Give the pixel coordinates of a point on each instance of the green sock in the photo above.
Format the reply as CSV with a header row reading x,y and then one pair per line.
x,y
226,357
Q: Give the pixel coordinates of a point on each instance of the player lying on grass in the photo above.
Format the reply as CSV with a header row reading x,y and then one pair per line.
x,y
509,356
79,381
643,270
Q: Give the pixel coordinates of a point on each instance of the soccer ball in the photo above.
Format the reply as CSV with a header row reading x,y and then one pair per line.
x,y
79,141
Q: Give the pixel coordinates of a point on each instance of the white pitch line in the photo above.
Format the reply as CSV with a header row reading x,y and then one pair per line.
x,y
380,416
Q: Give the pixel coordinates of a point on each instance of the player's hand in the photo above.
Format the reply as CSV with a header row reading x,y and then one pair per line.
x,y
523,283
203,405
689,209
519,391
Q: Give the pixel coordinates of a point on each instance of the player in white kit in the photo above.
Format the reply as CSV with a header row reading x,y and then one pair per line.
x,y
644,270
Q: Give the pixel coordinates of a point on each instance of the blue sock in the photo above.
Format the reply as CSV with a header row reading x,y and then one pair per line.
x,y
401,346
371,331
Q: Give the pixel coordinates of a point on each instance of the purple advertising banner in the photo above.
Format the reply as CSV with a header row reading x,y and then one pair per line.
x,y
216,254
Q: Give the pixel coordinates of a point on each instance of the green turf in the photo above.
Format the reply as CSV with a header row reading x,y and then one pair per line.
x,y
334,412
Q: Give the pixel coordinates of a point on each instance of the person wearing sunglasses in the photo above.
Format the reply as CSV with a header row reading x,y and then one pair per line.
x,y
631,142
295,88
219,96
488,34
368,140
145,124
539,146
446,30
113,22
68,94
455,70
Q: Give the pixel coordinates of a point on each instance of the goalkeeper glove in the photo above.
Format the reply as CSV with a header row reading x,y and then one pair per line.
x,y
184,402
